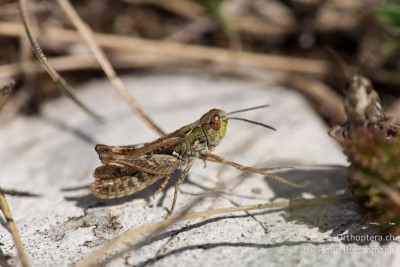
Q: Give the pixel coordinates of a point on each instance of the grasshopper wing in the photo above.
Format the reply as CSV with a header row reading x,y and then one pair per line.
x,y
118,150
156,147
163,144
155,164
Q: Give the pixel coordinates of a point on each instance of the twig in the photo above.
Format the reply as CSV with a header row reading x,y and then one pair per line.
x,y
179,51
192,30
154,229
128,236
158,229
256,26
329,103
12,227
198,13
17,193
81,62
175,50
188,9
61,83
197,52
87,35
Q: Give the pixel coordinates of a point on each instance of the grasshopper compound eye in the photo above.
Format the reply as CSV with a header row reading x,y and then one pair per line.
x,y
215,122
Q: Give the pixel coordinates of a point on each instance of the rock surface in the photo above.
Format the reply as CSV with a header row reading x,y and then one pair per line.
x,y
53,156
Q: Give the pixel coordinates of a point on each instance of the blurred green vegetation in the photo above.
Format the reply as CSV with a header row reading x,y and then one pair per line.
x,y
389,16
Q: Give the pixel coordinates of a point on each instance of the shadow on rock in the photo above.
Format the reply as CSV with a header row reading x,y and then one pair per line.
x,y
343,220
89,201
319,182
207,246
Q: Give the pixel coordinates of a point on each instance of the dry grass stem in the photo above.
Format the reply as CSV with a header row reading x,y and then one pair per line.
x,y
12,227
87,35
257,26
187,9
82,62
329,103
61,83
192,30
197,52
197,14
128,236
18,193
181,51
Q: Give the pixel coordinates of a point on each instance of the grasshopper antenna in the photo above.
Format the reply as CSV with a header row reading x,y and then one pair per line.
x,y
253,122
364,65
341,62
250,121
247,109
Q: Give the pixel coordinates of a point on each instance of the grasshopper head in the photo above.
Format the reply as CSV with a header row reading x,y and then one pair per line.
x,y
214,125
358,84
362,102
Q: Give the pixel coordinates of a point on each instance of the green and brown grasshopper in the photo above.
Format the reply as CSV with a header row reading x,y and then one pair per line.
x,y
128,169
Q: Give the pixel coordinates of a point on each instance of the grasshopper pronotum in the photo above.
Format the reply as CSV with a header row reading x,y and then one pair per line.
x,y
128,169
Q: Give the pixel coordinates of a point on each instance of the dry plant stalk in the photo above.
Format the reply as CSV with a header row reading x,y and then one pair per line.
x,y
12,227
329,103
198,52
84,62
188,9
18,193
64,87
87,35
168,50
158,226
181,51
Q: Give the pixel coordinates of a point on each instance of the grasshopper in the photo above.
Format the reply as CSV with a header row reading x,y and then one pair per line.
x,y
128,169
362,105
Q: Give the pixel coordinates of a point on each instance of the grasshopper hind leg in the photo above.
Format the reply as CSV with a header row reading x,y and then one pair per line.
x,y
178,183
114,181
162,186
